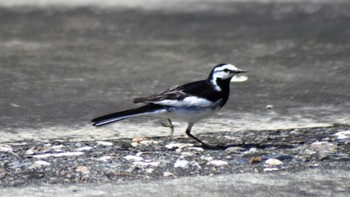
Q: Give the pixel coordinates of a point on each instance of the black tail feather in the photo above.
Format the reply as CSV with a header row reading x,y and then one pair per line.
x,y
109,118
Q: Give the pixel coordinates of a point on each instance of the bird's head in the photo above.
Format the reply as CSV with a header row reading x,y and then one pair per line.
x,y
224,71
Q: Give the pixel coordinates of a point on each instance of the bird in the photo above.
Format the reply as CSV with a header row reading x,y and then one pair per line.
x,y
190,102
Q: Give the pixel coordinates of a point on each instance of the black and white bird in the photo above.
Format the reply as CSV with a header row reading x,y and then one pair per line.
x,y
189,103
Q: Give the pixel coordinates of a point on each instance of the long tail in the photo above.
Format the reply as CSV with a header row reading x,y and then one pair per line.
x,y
144,110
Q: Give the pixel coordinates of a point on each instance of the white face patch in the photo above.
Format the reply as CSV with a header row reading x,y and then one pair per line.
x,y
222,72
187,102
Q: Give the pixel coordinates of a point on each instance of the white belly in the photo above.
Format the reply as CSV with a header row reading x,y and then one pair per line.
x,y
190,115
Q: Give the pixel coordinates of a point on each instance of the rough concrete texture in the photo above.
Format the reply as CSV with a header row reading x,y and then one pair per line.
x,y
62,65
306,183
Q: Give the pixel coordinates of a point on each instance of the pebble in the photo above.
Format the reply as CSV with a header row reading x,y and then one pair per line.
x,y
82,169
149,170
270,169
232,150
217,163
198,149
6,148
343,135
269,106
207,158
149,142
323,147
66,154
104,143
146,163
181,163
104,158
256,159
168,174
186,154
273,162
133,158
177,145
39,164
84,148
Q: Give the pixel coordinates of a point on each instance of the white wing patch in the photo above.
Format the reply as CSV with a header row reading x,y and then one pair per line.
x,y
187,102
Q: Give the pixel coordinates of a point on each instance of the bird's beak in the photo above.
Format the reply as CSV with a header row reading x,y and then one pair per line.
x,y
240,71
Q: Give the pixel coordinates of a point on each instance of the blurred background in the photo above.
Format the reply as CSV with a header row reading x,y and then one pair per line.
x,y
64,62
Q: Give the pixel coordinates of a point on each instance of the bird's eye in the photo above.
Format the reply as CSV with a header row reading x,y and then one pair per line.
x,y
226,70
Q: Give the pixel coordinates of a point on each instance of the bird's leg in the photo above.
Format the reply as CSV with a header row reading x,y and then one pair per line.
x,y
188,132
171,129
171,126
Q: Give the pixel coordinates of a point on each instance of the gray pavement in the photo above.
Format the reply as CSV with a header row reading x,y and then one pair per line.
x,y
63,64
305,183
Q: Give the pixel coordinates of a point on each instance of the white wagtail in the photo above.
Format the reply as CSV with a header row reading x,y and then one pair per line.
x,y
189,103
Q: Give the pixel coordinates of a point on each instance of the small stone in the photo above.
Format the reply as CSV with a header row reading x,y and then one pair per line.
x,y
57,148
207,158
343,135
273,162
39,164
181,164
82,169
6,148
133,158
66,154
270,169
218,163
104,158
84,148
104,143
269,106
146,164
177,145
186,154
138,139
252,150
149,170
232,150
148,142
168,174
198,149
323,147
256,159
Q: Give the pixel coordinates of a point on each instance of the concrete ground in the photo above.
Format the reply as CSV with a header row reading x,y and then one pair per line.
x,y
63,63
305,183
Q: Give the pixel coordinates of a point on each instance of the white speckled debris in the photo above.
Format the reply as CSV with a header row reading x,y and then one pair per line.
x,y
180,163
66,154
343,135
323,147
217,163
273,162
207,158
82,169
270,169
104,158
146,163
148,142
84,148
39,164
104,143
177,145
168,174
6,148
133,158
